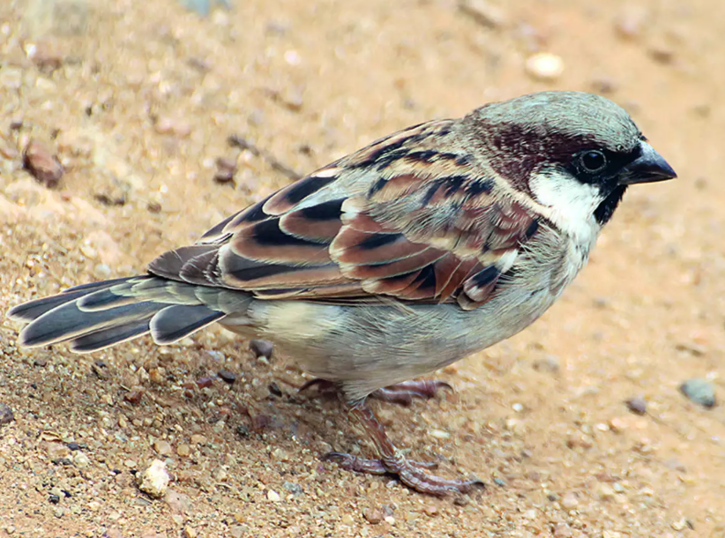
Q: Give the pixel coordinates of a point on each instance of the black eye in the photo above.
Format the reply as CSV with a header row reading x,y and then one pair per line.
x,y
593,161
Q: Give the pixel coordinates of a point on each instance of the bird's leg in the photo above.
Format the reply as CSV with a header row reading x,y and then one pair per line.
x,y
401,393
392,461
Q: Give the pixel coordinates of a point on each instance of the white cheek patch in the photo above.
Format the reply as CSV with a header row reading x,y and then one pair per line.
x,y
572,203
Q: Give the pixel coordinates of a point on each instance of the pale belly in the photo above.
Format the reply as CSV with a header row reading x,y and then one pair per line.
x,y
373,346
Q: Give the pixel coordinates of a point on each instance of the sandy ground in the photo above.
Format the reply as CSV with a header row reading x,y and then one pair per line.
x,y
138,98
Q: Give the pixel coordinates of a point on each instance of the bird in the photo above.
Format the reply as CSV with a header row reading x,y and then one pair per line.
x,y
418,250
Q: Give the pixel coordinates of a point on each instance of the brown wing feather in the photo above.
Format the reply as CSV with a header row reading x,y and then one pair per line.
x,y
400,218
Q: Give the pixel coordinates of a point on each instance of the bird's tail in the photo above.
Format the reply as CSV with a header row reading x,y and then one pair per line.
x,y
99,315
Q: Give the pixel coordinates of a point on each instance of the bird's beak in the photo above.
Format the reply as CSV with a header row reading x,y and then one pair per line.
x,y
647,168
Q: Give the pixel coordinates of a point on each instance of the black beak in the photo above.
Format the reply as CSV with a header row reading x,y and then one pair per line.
x,y
647,168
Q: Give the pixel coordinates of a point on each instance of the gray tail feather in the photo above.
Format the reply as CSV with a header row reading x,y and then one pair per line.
x,y
96,316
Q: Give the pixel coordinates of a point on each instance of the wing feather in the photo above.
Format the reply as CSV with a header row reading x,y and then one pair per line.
x,y
400,218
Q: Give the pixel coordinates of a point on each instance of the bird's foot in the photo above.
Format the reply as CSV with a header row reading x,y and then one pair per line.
x,y
404,393
411,473
401,393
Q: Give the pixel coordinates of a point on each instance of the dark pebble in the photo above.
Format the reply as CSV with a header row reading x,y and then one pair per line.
x,y
242,431
73,446
40,362
53,499
42,164
227,376
274,389
261,348
637,405
6,414
700,391
205,382
133,396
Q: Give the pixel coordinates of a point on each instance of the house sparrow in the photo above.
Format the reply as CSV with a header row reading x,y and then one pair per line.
x,y
405,256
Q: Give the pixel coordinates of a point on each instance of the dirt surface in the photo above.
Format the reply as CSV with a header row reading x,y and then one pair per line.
x,y
138,98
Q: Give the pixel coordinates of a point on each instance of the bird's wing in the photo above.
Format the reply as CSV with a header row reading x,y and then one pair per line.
x,y
403,218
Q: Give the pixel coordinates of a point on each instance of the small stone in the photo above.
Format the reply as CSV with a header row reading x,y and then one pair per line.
x,y
483,12
53,498
41,362
550,364
197,439
373,515
43,165
261,348
570,501
183,450
662,53
162,447
347,519
59,512
134,395
6,414
80,460
157,375
440,434
154,480
544,66
700,391
280,455
430,510
629,24
562,530
226,168
168,126
179,503
227,376
189,532
294,489
204,382
606,492
273,495
637,405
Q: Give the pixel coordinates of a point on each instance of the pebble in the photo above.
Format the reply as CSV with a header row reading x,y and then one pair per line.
x,y
162,447
440,434
294,489
483,12
183,450
134,396
637,405
562,530
226,168
189,532
42,164
178,503
261,348
154,480
227,376
544,66
700,391
570,501
6,414
80,460
606,492
347,519
273,495
629,24
197,439
373,515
